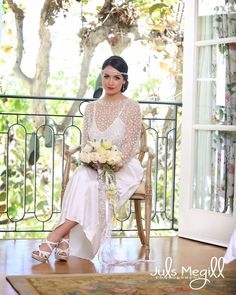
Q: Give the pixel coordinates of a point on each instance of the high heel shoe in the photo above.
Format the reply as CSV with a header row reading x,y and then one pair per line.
x,y
62,254
42,255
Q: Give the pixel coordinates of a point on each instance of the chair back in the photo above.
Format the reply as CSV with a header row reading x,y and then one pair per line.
x,y
142,144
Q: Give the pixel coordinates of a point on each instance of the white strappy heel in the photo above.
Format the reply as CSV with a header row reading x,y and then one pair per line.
x,y
42,255
62,254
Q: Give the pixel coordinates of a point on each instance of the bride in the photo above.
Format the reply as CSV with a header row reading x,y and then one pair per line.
x,y
115,117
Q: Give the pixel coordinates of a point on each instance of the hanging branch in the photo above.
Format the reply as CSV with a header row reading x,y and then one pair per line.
x,y
19,19
37,84
114,25
89,47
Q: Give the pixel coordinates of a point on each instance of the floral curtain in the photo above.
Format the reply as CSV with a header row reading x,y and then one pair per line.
x,y
216,105
224,143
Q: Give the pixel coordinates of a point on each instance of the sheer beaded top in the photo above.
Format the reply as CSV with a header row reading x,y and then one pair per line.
x,y
119,122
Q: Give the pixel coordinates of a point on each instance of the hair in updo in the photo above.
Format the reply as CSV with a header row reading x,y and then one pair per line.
x,y
120,65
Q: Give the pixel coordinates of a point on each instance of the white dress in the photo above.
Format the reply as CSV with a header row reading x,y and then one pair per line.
x,y
83,201
230,253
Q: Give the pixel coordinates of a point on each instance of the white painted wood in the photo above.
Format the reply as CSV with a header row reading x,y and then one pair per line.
x,y
197,224
215,41
230,128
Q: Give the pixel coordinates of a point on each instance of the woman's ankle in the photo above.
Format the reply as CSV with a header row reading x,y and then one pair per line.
x,y
63,244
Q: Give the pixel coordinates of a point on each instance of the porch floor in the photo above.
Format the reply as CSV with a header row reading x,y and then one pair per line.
x,y
15,258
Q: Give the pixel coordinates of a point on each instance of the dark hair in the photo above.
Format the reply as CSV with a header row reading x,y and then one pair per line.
x,y
120,65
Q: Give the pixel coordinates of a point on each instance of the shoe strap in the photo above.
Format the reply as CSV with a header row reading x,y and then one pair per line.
x,y
60,251
64,241
50,244
43,253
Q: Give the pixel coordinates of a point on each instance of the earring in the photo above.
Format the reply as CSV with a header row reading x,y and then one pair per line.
x,y
123,88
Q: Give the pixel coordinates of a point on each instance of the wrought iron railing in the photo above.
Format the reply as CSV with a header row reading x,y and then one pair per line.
x,y
32,163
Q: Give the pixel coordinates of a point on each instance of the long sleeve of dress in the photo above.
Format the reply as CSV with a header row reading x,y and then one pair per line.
x,y
132,131
87,122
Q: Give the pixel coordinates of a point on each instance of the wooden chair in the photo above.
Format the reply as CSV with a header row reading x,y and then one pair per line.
x,y
143,192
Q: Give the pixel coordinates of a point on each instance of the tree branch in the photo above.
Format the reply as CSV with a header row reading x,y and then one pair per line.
x,y
42,71
90,40
43,60
95,37
19,19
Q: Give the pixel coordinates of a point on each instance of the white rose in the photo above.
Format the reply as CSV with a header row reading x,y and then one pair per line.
x,y
95,144
85,157
102,159
117,160
114,148
87,148
94,157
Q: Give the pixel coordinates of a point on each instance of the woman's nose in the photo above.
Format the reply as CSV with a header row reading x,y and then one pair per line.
x,y
110,81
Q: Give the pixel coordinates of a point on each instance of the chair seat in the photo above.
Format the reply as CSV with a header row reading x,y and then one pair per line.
x,y
141,188
139,194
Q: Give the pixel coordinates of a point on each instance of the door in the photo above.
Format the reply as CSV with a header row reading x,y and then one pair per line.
x,y
207,181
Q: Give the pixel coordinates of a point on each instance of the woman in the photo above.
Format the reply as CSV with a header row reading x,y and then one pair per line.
x,y
82,226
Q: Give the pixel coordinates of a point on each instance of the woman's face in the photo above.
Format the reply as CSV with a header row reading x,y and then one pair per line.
x,y
112,80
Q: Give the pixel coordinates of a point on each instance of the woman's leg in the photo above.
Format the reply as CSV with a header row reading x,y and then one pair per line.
x,y
63,245
58,233
63,249
62,231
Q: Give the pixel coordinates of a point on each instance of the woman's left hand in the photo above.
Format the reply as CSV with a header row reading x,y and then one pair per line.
x,y
116,169
94,166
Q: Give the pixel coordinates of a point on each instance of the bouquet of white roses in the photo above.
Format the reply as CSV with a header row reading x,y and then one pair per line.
x,y
107,158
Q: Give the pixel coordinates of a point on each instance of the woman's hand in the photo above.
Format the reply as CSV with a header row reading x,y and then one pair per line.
x,y
94,166
116,169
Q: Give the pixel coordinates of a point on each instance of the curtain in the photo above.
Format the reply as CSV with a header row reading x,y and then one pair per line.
x,y
202,185
225,142
216,104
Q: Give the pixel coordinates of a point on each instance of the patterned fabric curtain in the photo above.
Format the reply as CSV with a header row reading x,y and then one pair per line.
x,y
224,143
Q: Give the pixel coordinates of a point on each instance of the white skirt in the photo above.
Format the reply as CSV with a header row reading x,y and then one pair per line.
x,y
81,204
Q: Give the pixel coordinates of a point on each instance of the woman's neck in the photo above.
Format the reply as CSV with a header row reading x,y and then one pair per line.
x,y
114,98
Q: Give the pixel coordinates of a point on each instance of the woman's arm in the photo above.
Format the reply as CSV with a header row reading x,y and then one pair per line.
x,y
86,122
132,131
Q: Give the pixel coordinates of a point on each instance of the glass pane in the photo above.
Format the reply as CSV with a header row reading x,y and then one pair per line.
x,y
216,19
214,171
216,85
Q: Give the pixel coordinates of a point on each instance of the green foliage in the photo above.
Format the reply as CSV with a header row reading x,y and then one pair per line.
x,y
161,7
62,84
231,88
2,196
147,89
13,105
83,1
42,207
21,191
93,75
4,6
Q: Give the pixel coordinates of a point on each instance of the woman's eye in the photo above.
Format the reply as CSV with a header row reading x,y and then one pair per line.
x,y
105,76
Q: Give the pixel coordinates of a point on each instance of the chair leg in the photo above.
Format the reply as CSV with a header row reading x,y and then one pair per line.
x,y
148,214
138,217
65,177
144,252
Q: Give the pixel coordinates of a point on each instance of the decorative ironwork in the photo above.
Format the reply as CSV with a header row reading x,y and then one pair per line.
x,y
32,163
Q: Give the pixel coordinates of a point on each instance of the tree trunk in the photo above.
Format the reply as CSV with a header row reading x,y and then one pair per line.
x,y
42,73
